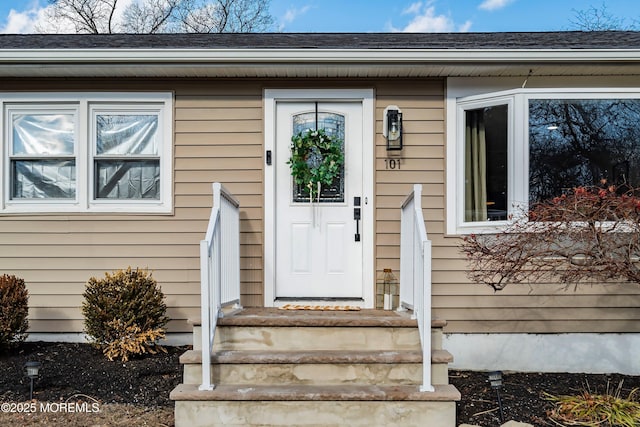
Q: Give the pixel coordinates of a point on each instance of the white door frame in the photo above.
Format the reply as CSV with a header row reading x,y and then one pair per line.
x,y
365,97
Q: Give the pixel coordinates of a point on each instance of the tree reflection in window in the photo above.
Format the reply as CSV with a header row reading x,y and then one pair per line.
x,y
333,124
576,142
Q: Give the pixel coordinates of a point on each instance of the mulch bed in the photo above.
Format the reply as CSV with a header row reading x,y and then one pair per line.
x,y
522,394
70,369
80,373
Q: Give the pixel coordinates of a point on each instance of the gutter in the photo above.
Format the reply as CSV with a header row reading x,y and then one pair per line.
x,y
311,55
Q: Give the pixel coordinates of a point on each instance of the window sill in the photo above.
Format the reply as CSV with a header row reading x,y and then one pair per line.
x,y
73,209
486,227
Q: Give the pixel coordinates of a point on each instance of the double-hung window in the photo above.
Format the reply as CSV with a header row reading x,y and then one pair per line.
x,y
515,148
126,161
42,152
96,152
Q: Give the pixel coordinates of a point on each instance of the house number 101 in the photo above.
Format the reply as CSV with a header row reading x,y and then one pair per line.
x,y
392,163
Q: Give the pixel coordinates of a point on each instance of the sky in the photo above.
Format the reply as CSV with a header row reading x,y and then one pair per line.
x,y
391,15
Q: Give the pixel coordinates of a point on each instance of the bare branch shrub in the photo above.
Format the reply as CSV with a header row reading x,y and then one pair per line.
x,y
586,234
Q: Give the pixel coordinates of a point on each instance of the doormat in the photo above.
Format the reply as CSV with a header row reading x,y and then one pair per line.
x,y
320,307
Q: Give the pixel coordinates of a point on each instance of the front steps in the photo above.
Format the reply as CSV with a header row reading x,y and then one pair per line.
x,y
316,367
284,368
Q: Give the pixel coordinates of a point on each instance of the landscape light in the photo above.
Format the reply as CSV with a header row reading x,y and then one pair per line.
x,y
495,378
32,369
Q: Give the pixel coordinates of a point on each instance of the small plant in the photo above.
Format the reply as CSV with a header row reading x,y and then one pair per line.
x,y
14,309
125,313
601,410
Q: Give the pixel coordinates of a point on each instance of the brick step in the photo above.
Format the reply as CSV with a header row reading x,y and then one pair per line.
x,y
305,405
316,367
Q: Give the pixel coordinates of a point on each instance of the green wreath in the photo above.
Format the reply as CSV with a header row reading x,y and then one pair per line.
x,y
315,158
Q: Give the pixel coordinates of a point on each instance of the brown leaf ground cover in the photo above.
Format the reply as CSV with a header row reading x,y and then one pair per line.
x,y
99,393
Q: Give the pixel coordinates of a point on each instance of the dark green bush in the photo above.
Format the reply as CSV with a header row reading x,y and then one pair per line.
x,y
14,309
124,311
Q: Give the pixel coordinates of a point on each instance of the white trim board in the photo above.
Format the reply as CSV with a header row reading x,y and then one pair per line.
x,y
575,352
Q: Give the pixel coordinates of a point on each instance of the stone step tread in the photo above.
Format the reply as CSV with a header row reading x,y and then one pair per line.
x,y
269,316
190,392
315,357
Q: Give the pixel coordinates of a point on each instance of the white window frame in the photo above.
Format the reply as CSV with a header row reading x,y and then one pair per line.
x,y
473,104
517,149
85,104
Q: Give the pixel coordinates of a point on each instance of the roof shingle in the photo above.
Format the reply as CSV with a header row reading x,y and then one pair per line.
x,y
460,41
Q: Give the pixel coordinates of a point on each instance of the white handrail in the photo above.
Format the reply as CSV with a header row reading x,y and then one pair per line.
x,y
219,271
415,274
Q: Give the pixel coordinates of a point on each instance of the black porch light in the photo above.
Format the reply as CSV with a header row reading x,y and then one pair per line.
x,y
392,127
495,378
32,370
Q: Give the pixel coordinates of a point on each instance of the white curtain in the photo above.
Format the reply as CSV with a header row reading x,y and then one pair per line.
x,y
475,167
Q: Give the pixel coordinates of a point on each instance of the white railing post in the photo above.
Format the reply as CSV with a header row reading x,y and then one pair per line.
x,y
415,274
426,310
219,271
207,302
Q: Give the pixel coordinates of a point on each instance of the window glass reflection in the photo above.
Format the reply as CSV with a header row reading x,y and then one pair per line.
x,y
581,142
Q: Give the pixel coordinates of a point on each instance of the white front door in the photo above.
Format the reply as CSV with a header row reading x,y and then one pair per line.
x,y
319,249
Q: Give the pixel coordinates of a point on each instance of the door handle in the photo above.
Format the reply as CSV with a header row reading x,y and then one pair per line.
x,y
356,216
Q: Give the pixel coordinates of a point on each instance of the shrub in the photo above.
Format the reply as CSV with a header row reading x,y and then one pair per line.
x,y
588,409
124,313
14,309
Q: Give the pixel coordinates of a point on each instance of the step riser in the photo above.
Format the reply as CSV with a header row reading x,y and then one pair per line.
x,y
436,334
318,374
319,338
314,413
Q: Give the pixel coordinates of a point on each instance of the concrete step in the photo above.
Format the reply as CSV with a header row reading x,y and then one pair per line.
x,y
273,329
316,367
304,405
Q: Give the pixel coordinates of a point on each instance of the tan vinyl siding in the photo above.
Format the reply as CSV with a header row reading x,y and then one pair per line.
x,y
421,162
218,136
470,307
